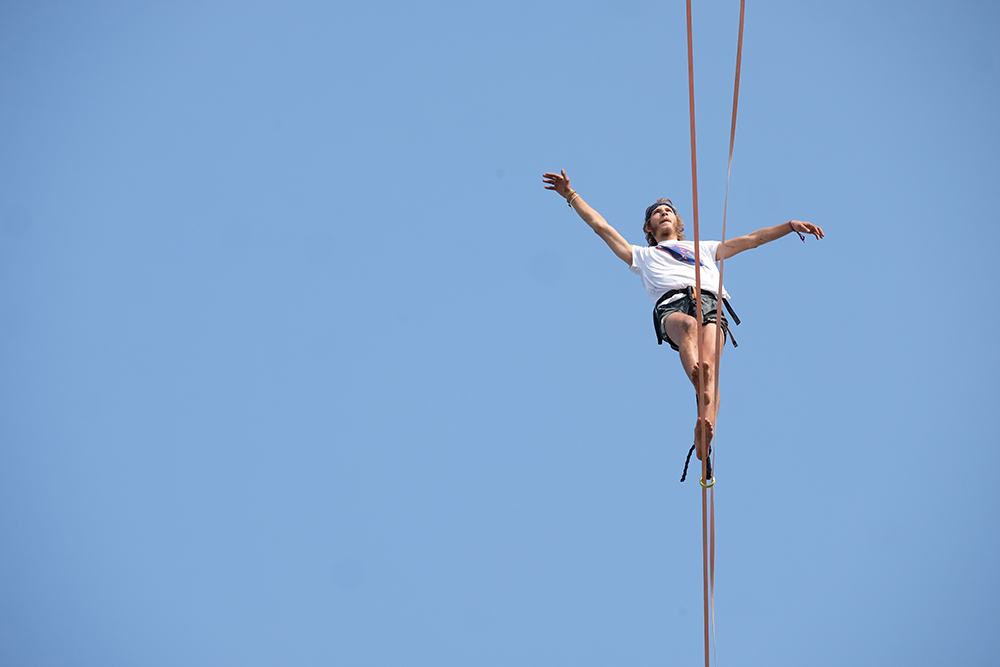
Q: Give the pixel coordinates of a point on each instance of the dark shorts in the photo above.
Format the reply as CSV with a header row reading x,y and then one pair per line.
x,y
686,305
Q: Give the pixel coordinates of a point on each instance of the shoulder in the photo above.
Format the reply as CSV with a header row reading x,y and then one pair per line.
x,y
640,253
642,250
640,257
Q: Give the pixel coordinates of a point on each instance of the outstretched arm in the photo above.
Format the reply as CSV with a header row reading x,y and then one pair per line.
x,y
766,235
560,183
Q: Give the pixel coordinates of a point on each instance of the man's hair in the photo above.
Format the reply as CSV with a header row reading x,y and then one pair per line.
x,y
649,211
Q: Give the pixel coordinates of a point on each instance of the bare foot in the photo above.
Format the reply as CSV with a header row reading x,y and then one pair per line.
x,y
709,429
696,377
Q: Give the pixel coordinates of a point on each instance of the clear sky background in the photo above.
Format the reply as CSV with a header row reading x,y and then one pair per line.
x,y
301,365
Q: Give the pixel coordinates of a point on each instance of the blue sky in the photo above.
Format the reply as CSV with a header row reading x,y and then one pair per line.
x,y
302,365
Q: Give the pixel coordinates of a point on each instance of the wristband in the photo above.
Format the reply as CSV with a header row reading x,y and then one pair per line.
x,y
569,200
796,231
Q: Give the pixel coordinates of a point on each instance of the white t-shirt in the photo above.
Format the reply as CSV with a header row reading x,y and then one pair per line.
x,y
670,265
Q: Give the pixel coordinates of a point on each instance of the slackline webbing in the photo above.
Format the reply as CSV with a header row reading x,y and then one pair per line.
x,y
707,485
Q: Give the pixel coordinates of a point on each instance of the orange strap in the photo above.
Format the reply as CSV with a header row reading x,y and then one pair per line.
x,y
708,514
698,317
719,337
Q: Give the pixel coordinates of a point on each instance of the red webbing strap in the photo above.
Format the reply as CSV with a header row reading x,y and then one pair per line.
x,y
719,336
697,284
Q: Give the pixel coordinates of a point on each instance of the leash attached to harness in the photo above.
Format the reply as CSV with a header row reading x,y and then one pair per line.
x,y
709,466
707,481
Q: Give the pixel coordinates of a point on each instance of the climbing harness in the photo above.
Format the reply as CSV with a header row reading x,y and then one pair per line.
x,y
688,292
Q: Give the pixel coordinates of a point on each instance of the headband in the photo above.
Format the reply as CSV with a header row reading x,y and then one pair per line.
x,y
649,211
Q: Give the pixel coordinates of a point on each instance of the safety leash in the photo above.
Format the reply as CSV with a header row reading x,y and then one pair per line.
x,y
707,479
688,460
719,340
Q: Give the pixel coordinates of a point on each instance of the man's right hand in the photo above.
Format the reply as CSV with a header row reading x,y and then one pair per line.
x,y
557,182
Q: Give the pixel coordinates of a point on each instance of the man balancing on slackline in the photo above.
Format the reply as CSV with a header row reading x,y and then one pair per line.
x,y
666,268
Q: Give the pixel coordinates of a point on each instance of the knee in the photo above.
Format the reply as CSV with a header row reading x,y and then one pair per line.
x,y
681,326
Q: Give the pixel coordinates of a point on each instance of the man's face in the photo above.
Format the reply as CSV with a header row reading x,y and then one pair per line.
x,y
663,223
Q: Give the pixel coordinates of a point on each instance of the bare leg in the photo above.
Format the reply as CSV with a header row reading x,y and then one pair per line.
x,y
683,330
